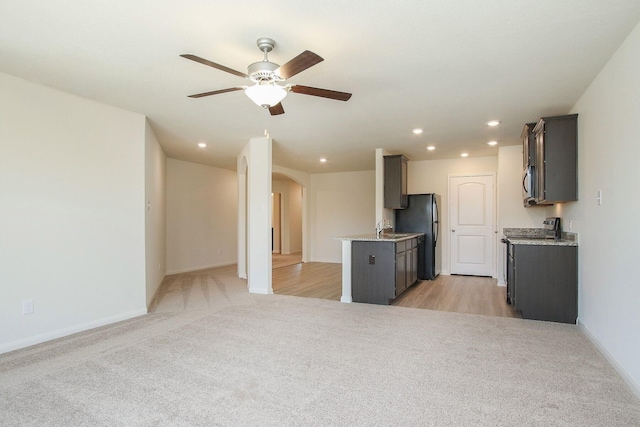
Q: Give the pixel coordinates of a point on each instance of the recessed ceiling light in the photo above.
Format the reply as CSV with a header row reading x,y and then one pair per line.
x,y
464,154
202,145
492,143
431,148
323,160
417,131
493,122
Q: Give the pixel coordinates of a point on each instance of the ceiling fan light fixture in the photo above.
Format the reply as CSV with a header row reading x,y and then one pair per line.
x,y
266,95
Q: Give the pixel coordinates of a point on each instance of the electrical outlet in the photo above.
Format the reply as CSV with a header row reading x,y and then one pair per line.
x,y
599,199
27,306
570,225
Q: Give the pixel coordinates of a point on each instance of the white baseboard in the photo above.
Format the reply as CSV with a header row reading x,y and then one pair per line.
x,y
38,339
633,385
261,291
444,273
502,283
201,267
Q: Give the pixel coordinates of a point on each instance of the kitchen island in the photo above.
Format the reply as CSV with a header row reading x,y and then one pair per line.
x,y
378,268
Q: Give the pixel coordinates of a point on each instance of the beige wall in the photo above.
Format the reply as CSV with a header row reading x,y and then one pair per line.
x,y
432,176
341,204
155,214
295,217
72,222
202,206
291,194
608,153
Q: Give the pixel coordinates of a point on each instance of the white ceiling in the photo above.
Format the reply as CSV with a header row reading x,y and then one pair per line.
x,y
446,66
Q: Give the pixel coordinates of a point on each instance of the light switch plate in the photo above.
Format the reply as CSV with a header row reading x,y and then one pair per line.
x,y
27,306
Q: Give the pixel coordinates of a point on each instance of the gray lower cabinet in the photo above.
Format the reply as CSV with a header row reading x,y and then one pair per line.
x,y
382,270
545,282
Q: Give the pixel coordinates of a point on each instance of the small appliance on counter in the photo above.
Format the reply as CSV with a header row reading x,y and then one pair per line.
x,y
552,228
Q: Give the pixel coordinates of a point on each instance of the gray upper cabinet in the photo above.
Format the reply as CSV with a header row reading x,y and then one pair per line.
x,y
556,159
395,182
528,145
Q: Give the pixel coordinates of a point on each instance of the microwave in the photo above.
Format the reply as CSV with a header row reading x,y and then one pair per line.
x,y
528,184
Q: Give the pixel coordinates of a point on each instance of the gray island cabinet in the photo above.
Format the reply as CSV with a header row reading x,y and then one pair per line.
x,y
382,269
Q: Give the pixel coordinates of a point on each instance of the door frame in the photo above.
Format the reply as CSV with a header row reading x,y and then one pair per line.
x,y
494,220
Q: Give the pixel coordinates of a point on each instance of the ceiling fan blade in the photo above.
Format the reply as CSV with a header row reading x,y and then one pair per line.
x,y
325,93
215,92
276,109
300,63
214,65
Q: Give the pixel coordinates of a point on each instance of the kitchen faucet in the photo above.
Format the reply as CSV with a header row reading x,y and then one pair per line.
x,y
381,226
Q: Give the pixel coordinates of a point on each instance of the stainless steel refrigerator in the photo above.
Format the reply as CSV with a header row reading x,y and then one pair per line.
x,y
422,216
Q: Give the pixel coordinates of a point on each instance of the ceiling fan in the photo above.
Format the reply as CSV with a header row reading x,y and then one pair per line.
x,y
268,91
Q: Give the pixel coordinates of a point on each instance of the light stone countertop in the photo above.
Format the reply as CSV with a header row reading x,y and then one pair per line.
x,y
384,237
536,236
541,242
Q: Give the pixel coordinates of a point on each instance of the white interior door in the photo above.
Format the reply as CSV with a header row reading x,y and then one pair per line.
x,y
471,224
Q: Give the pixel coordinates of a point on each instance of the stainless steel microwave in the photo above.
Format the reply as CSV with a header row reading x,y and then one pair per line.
x,y
528,186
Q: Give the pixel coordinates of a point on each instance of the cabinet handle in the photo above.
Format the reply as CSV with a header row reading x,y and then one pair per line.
x,y
453,231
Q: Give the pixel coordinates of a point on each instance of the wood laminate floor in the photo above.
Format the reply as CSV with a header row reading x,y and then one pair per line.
x,y
461,294
283,260
311,279
207,288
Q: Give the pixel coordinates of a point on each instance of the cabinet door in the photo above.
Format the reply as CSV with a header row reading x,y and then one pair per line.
x,y
546,282
401,273
395,182
373,277
540,170
414,266
511,276
556,159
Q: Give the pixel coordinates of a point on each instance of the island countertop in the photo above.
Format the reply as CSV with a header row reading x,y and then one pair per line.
x,y
384,237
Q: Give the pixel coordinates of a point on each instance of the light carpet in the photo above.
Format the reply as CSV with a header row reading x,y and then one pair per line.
x,y
280,360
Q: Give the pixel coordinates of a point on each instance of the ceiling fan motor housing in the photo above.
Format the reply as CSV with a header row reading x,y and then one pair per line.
x,y
263,72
